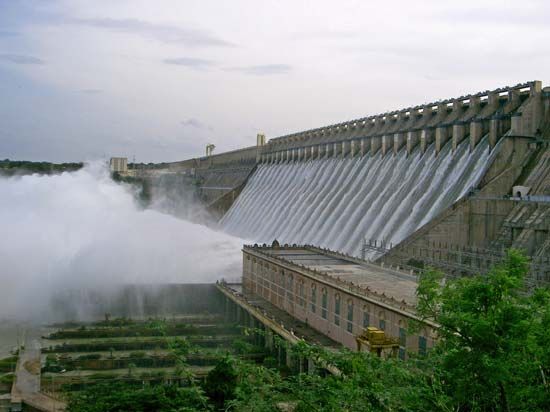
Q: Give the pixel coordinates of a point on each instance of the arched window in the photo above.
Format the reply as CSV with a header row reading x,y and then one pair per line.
x,y
422,345
324,303
290,288
349,326
382,320
366,316
313,297
402,340
337,309
301,294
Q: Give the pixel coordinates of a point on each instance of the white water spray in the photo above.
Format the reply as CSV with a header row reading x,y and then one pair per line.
x,y
81,230
336,203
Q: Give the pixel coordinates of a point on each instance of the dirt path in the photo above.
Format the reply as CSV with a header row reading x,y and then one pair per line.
x,y
27,383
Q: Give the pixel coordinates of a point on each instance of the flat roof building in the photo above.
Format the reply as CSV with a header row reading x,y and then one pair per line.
x,y
339,296
119,164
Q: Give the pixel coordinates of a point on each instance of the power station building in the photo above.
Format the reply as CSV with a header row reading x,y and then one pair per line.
x,y
361,305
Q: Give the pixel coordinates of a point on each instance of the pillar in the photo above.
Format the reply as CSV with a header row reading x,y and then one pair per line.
x,y
495,131
514,96
352,148
387,143
345,146
426,138
535,88
458,106
476,133
459,133
328,149
412,140
363,147
492,100
398,142
335,149
441,137
375,144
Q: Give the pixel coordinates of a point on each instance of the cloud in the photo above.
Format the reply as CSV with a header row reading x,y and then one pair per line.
x,y
195,123
160,32
198,64
498,16
21,59
91,91
263,70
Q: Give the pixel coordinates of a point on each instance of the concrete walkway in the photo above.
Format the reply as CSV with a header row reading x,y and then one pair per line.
x,y
26,388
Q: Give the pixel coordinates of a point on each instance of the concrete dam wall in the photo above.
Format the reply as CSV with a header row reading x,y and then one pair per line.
x,y
336,202
384,177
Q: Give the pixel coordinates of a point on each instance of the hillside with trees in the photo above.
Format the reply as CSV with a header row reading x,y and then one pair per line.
x,y
22,167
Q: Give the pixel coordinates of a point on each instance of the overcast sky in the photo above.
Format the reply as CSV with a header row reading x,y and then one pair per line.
x,y
159,79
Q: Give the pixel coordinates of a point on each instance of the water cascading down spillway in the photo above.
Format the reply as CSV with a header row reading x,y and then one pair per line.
x,y
337,202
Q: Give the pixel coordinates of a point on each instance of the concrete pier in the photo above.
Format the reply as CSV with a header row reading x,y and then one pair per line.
x,y
426,138
336,149
387,144
441,137
476,133
363,147
399,140
345,148
353,144
413,138
459,134
375,144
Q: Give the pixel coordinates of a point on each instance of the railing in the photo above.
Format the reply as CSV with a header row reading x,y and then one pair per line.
x,y
348,124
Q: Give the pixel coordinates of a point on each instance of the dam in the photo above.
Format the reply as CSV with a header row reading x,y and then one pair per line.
x,y
335,202
435,177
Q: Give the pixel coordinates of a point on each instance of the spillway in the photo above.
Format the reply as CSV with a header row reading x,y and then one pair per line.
x,y
337,202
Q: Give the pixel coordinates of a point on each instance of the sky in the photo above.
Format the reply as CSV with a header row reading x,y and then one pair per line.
x,y
158,80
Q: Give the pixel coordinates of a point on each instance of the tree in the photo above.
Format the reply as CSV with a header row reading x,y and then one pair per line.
x,y
492,353
124,397
221,382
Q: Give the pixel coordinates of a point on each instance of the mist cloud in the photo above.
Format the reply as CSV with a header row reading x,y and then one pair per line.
x,y
82,230
191,62
21,59
161,32
263,70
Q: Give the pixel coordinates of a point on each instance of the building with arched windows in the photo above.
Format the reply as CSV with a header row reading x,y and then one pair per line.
x,y
342,297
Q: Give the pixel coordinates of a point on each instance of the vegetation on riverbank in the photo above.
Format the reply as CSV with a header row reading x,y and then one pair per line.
x,y
493,355
22,167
